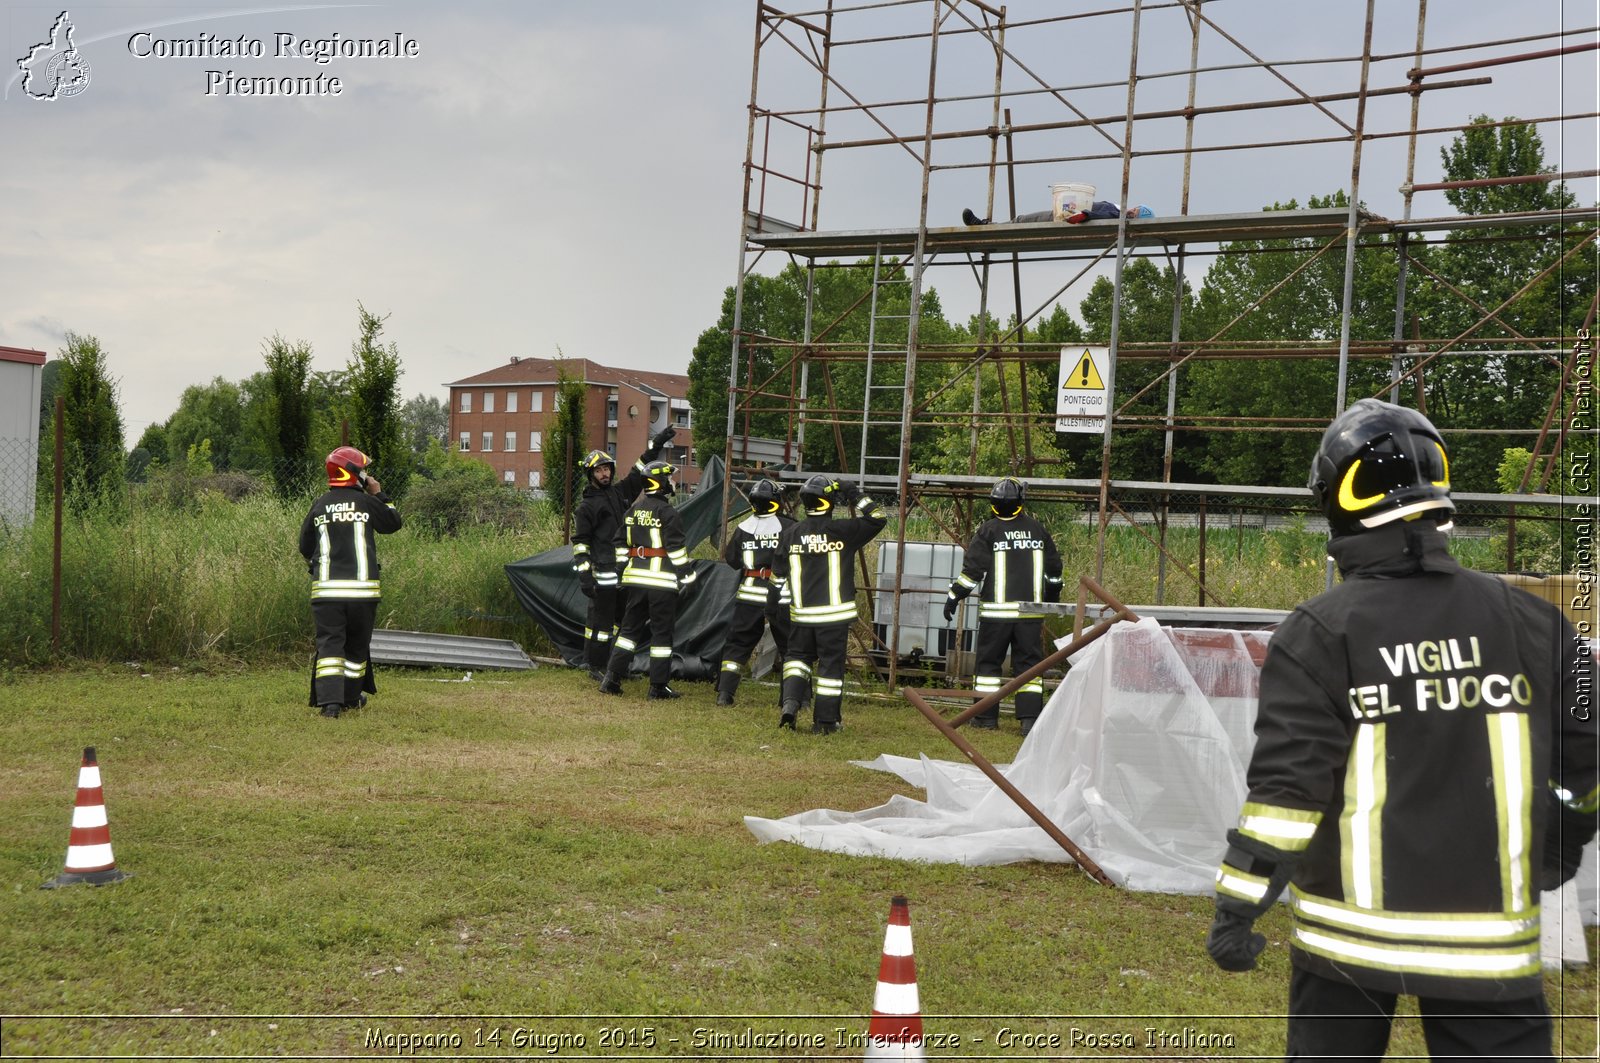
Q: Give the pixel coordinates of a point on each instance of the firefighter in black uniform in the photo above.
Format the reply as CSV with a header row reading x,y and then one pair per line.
x,y
1015,559
658,569
339,542
757,602
1425,763
596,525
815,564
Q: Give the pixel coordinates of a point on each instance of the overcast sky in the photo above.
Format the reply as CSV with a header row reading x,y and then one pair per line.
x,y
545,175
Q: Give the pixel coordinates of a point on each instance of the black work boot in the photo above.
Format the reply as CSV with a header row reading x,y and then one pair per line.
x,y
987,723
332,711
662,692
611,684
1026,723
827,727
727,683
788,713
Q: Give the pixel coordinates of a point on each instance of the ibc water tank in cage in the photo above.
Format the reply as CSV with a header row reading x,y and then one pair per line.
x,y
924,582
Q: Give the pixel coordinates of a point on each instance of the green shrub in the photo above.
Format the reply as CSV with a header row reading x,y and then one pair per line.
x,y
453,493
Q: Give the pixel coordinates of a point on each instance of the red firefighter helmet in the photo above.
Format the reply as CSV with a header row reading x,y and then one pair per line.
x,y
347,467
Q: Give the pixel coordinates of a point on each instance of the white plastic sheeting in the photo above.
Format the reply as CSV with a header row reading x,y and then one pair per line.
x,y
1139,757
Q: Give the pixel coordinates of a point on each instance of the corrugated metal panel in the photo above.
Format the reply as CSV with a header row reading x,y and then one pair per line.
x,y
447,651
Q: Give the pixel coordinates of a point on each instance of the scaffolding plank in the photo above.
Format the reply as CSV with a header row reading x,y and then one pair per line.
x,y
1059,236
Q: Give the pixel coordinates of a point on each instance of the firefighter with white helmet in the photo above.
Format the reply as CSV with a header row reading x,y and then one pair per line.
x,y
596,524
657,570
1425,765
1014,559
338,539
815,563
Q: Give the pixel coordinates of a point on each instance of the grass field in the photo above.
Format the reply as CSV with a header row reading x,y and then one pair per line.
x,y
461,858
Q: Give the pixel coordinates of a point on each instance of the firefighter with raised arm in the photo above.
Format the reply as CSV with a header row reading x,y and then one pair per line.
x,y
596,525
816,563
757,601
657,571
1425,765
339,541
1013,557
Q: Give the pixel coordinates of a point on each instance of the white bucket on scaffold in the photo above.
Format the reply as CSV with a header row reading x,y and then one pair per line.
x,y
1068,198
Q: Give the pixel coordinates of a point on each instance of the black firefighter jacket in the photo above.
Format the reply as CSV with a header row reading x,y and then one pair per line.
x,y
1412,722
816,562
339,540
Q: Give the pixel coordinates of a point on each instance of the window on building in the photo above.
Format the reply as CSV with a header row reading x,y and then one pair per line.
x,y
511,442
511,402
533,475
488,402
466,403
511,477
536,401
466,442
680,418
536,442
488,442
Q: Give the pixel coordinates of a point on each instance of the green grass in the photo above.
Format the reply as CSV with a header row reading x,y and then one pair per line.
x,y
517,846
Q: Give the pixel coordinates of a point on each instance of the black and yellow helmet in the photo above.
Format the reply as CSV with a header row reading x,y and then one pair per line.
x,y
658,478
1006,497
764,496
1379,463
816,494
594,459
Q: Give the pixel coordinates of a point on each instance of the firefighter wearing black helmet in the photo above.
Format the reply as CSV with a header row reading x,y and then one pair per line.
x,y
657,570
815,564
338,539
757,601
596,524
1014,559
1425,764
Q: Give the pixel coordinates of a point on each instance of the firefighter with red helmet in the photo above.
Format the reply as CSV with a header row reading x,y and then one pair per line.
x,y
1014,558
596,525
757,601
338,539
1424,766
815,563
657,571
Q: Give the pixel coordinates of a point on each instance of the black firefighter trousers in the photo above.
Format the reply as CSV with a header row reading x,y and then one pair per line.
x,y
598,626
651,614
1331,1019
1023,639
744,631
816,651
342,671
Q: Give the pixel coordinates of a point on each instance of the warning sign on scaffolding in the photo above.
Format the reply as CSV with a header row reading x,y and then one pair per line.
x,y
1081,397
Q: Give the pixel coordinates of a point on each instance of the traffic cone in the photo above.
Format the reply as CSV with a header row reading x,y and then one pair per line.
x,y
895,1031
89,856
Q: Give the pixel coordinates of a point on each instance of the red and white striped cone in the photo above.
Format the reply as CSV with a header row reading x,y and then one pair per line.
x,y
89,856
895,1031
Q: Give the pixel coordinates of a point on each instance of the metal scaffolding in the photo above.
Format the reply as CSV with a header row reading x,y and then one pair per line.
x,y
893,113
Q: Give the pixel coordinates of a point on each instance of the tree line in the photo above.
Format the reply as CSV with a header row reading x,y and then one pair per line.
x,y
276,423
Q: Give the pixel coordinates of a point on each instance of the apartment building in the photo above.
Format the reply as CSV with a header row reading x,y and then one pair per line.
x,y
502,415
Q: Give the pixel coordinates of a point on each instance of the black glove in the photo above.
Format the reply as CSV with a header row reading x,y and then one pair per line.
x,y
950,608
1052,590
1233,942
663,437
586,583
1564,838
